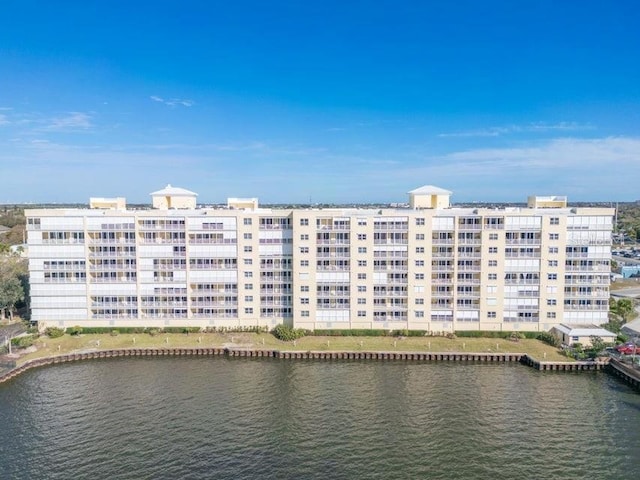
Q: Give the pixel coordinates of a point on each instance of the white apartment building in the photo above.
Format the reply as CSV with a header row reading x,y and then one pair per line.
x,y
428,266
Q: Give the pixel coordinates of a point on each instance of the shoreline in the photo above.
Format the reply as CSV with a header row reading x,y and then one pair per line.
x,y
483,357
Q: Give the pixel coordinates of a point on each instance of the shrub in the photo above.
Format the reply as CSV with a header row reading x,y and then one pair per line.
x,y
22,342
549,339
154,331
516,336
77,330
114,333
54,332
287,333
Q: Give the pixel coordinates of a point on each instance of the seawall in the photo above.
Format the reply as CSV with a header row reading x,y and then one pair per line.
x,y
307,355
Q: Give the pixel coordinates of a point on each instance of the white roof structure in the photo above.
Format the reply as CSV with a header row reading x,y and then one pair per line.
x,y
430,190
584,331
170,191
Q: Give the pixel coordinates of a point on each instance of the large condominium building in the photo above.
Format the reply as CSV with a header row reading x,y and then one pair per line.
x,y
427,266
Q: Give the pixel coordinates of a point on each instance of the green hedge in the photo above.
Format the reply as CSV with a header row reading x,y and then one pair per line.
x,y
350,333
23,342
182,329
90,330
492,334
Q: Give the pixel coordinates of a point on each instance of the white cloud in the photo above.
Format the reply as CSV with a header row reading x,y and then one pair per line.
x,y
587,169
173,102
528,128
4,120
73,121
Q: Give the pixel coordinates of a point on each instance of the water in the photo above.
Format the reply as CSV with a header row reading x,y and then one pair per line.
x,y
194,418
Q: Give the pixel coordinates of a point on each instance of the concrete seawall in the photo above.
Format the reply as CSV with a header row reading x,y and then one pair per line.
x,y
624,372
307,355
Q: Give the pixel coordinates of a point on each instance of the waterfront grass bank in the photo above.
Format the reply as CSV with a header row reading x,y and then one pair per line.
x,y
45,347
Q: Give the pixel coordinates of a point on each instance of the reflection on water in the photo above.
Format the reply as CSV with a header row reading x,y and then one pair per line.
x,y
168,418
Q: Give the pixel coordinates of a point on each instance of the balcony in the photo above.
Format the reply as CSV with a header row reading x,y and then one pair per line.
x,y
442,241
523,241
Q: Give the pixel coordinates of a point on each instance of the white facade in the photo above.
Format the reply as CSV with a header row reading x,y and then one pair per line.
x,y
434,269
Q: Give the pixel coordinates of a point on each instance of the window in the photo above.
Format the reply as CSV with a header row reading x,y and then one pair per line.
x,y
419,221
419,313
493,249
248,249
362,249
304,222
551,314
551,301
493,276
492,289
553,249
304,249
493,263
491,315
362,301
248,310
554,236
362,313
304,301
493,236
419,301
553,263
248,286
554,221
362,288
419,263
362,222
248,274
247,221
247,236
362,236
419,276
552,276
362,263
304,313
304,236
419,236
362,276
304,263
304,288
419,249
248,261
248,298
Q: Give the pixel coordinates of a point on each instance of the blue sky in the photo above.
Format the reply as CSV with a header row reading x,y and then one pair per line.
x,y
329,101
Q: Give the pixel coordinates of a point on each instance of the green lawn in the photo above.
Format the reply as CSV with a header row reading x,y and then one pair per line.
x,y
68,344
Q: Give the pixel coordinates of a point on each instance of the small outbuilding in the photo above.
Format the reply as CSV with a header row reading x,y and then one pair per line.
x,y
569,334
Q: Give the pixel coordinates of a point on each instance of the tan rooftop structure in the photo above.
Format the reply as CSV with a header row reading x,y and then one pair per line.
x,y
549,201
117,203
173,197
429,196
242,203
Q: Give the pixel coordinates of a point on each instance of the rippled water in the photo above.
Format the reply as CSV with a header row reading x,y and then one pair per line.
x,y
172,418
